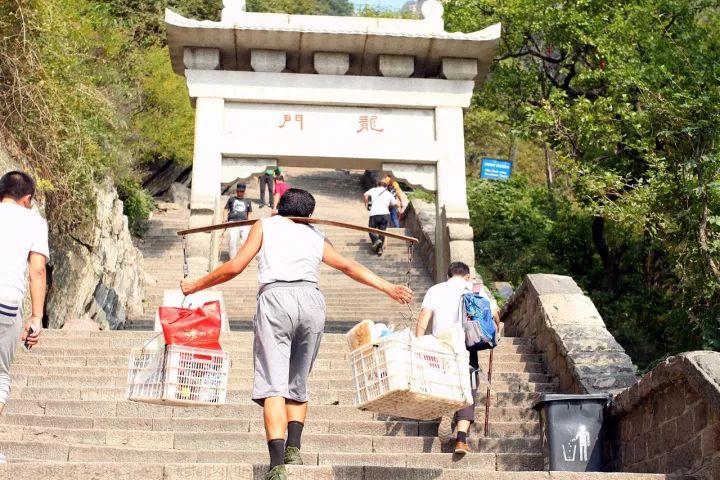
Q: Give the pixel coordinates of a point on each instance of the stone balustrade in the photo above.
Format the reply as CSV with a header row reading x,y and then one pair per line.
x,y
420,221
669,422
569,331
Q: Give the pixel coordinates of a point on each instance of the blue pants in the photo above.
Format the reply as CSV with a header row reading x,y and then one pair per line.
x,y
394,217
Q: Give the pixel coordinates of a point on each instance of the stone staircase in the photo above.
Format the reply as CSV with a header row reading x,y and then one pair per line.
x,y
68,418
339,197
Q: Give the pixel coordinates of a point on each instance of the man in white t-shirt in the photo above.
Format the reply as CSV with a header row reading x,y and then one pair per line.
x,y
442,304
378,201
23,248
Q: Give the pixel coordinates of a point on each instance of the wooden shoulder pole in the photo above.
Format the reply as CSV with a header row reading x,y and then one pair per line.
x,y
313,221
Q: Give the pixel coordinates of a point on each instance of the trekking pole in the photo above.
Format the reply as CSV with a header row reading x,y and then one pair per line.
x,y
487,394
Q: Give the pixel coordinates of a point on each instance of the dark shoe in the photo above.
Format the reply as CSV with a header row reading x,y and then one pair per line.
x,y
292,456
374,246
277,473
445,429
461,448
380,250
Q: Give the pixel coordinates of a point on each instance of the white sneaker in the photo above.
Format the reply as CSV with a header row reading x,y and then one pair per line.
x,y
3,459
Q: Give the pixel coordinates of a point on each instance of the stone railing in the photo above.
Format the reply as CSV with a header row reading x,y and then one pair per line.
x,y
669,422
568,330
420,221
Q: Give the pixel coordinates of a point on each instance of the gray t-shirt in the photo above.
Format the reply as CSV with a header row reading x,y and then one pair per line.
x,y
238,208
290,251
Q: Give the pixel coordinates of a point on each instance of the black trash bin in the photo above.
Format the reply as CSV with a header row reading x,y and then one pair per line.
x,y
572,431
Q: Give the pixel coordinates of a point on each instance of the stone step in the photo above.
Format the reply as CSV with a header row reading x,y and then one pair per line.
x,y
242,396
337,367
234,471
321,372
499,367
10,424
238,380
235,347
233,337
313,454
325,379
126,409
339,371
254,441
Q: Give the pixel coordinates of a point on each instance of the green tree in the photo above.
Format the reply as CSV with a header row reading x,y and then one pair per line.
x,y
302,7
627,97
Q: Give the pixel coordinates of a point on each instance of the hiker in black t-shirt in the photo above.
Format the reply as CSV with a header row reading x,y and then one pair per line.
x,y
237,208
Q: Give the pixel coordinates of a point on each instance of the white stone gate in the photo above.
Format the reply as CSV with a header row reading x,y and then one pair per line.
x,y
336,92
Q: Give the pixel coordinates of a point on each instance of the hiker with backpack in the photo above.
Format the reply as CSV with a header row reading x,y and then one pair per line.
x,y
450,304
290,316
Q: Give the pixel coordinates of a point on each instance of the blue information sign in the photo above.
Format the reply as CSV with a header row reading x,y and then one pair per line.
x,y
495,169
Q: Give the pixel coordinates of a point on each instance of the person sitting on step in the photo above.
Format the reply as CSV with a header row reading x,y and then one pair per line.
x,y
290,316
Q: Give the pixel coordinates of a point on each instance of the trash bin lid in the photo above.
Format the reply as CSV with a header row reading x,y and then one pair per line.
x,y
561,397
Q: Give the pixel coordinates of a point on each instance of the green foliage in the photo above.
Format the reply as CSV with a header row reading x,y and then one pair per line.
x,y
379,12
164,119
53,104
626,96
421,195
512,227
303,7
137,205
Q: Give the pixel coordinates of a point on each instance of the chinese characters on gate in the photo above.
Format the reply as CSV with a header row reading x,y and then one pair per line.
x,y
287,119
366,123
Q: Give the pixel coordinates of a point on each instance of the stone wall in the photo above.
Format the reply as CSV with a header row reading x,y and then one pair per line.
x,y
99,277
420,222
669,422
569,332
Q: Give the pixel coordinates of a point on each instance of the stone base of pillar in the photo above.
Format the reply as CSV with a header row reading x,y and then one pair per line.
x,y
199,245
457,239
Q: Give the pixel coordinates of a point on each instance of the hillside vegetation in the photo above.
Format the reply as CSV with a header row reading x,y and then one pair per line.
x,y
622,101
609,110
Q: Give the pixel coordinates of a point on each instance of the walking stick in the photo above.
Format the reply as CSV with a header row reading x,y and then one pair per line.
x,y
487,394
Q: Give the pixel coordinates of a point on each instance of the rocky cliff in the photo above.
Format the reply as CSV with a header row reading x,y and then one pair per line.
x,y
99,277
102,280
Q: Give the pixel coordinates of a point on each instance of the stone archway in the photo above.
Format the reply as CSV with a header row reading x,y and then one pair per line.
x,y
338,92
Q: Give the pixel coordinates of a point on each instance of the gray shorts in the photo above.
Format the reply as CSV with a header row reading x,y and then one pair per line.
x,y
11,327
289,323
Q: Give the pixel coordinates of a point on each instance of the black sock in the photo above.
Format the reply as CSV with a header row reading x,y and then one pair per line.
x,y
294,430
462,437
277,452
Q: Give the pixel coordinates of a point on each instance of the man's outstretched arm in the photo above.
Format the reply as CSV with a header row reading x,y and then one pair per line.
x,y
230,269
361,274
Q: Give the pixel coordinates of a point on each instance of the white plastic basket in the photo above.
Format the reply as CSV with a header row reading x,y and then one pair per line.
x,y
176,375
400,377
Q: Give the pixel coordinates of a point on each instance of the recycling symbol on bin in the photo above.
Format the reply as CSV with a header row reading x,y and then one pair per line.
x,y
581,442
